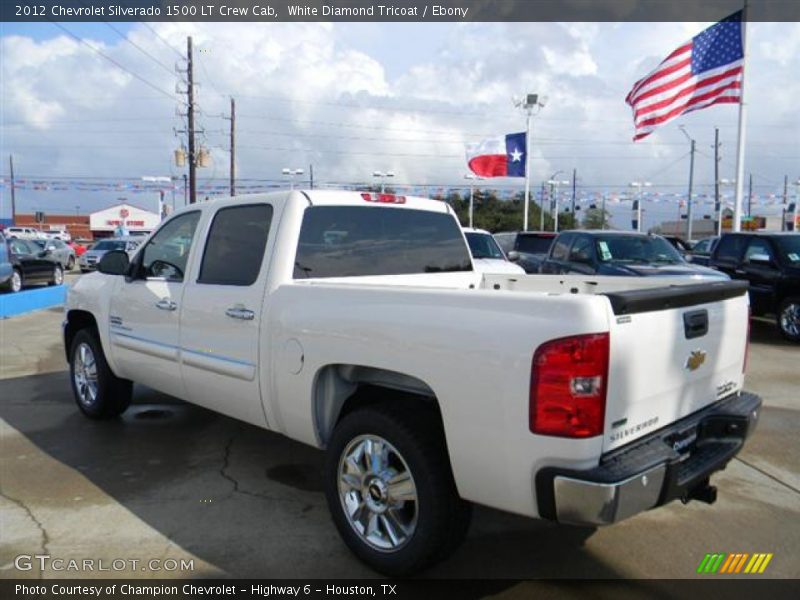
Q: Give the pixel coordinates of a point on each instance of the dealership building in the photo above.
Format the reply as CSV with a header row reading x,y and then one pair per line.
x,y
99,224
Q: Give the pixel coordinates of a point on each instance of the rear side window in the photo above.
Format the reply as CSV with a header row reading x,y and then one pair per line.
x,y
235,247
534,244
348,241
730,247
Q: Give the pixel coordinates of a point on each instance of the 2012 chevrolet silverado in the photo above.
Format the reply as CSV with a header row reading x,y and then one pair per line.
x,y
354,322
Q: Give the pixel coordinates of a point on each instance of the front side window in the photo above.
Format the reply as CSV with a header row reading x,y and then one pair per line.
x,y
561,247
348,241
235,247
167,253
636,249
789,246
581,250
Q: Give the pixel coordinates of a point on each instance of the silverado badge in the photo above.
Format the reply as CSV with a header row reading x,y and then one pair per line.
x,y
696,358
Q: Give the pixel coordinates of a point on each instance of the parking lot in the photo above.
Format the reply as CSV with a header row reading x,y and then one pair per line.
x,y
173,481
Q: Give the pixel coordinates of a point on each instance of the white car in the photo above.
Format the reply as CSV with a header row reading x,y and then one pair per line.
x,y
58,234
355,323
487,256
24,233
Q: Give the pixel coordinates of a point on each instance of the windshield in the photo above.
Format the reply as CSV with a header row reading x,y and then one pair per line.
x,y
483,245
108,245
637,249
790,248
534,244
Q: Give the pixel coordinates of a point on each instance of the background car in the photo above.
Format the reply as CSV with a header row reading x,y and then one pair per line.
x,y
701,251
88,261
58,234
80,246
620,253
681,245
6,269
23,233
487,256
771,263
30,264
527,248
59,251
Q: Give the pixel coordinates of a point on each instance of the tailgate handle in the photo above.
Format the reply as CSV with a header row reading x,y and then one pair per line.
x,y
695,323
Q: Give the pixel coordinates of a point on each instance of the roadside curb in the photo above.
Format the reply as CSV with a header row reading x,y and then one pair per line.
x,y
31,300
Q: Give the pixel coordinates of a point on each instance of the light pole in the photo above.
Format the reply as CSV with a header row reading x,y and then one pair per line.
x,y
640,185
541,211
382,175
531,103
472,177
158,179
554,183
291,174
796,204
721,204
691,181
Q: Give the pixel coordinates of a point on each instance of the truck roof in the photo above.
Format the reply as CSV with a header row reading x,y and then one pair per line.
x,y
333,198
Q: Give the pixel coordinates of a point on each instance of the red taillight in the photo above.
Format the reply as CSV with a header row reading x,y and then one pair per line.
x,y
383,198
568,386
747,343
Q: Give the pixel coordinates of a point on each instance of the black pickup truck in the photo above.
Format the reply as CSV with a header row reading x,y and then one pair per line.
x,y
771,263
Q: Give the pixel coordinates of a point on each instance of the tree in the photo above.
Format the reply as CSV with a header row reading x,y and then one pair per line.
x,y
596,218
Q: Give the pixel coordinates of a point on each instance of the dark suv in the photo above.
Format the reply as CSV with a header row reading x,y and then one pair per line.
x,y
527,248
771,263
621,253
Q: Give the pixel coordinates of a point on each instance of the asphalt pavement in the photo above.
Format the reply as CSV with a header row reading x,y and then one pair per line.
x,y
171,481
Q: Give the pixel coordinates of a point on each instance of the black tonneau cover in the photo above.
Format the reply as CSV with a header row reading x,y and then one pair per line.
x,y
676,296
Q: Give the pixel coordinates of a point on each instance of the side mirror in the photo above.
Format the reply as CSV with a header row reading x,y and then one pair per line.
x,y
115,262
513,256
760,259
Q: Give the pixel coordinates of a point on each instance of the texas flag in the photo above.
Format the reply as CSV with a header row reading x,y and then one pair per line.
x,y
498,157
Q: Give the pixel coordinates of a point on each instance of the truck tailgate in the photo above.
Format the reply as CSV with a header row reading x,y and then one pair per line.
x,y
673,351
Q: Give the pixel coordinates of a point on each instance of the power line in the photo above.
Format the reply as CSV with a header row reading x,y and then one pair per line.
x,y
114,62
166,43
140,49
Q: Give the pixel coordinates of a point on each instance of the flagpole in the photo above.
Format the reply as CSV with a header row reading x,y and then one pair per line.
x,y
737,211
527,167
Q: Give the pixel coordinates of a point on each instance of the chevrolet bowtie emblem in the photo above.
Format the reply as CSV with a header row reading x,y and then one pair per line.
x,y
696,358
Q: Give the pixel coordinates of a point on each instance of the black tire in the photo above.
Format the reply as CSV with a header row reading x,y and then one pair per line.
x,y
113,395
15,282
413,428
788,319
70,263
58,276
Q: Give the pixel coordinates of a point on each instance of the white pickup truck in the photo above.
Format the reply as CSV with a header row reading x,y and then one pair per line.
x,y
354,322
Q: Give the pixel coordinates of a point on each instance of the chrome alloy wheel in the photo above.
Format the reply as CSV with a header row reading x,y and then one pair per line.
x,y
790,319
85,374
378,493
58,275
16,281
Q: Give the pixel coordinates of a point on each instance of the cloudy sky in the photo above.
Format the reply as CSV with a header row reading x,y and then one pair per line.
x,y
358,97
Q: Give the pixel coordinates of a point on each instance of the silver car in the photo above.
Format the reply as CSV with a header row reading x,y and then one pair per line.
x,y
90,259
58,251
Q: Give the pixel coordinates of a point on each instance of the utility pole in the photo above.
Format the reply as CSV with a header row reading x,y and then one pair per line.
x,y
691,181
785,201
190,117
13,187
233,147
311,176
717,203
574,193
750,198
541,208
689,199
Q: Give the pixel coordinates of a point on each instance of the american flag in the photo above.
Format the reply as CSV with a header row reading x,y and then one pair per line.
x,y
706,70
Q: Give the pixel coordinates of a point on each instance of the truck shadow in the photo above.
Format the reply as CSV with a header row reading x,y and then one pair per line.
x,y
248,501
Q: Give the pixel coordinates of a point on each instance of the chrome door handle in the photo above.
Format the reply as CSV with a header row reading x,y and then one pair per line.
x,y
240,313
166,304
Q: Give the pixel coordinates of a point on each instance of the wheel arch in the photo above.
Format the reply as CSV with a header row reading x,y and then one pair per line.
x,y
76,320
341,388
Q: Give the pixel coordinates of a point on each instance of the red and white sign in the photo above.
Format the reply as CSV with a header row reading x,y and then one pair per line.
x,y
133,217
